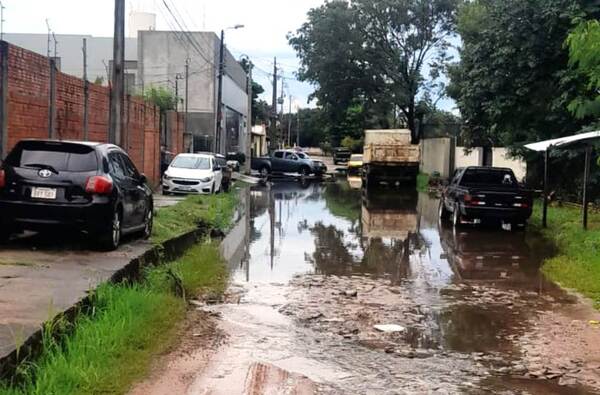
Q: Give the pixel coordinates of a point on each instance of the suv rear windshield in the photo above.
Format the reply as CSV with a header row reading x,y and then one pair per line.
x,y
488,177
56,156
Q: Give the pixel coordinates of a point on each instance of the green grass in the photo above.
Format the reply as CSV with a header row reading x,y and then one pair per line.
x,y
109,348
577,263
422,182
212,210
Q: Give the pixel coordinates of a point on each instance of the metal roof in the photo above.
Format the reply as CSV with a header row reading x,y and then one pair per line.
x,y
562,142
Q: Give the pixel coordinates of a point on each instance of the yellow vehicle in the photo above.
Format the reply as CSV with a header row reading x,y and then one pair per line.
x,y
355,164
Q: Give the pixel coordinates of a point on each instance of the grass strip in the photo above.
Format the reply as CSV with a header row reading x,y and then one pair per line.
x,y
577,263
212,210
112,346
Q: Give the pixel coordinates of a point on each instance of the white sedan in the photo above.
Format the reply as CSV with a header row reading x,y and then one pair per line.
x,y
192,173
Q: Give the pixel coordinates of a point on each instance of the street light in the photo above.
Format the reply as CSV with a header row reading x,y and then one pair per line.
x,y
220,88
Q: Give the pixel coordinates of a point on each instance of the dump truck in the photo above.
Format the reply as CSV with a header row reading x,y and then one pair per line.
x,y
389,156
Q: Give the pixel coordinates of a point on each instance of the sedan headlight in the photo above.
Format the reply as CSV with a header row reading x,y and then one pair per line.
x,y
166,176
206,179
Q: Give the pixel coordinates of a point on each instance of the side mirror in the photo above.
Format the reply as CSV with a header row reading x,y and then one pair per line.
x,y
217,168
143,179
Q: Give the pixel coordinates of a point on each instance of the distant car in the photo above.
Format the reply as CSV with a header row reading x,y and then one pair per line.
x,y
355,163
341,155
193,173
477,194
93,187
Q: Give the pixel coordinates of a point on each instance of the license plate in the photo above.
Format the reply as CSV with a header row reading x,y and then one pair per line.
x,y
43,193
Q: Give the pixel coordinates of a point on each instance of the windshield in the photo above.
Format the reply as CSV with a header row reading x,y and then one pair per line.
x,y
191,162
488,177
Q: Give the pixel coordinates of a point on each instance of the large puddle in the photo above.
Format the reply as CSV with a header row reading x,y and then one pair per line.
x,y
317,266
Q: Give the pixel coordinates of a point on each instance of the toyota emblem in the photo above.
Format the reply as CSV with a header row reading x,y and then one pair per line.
x,y
44,173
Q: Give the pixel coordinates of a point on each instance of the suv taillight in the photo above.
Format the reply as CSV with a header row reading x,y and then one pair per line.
x,y
99,185
2,179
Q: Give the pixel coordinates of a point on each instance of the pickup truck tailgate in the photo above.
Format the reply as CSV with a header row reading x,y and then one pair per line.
x,y
501,199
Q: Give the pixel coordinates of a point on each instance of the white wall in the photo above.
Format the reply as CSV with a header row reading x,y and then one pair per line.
x,y
473,158
435,156
500,158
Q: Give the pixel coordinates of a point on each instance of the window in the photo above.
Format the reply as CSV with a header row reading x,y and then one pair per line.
x,y
290,156
129,167
488,177
58,156
192,162
278,154
116,166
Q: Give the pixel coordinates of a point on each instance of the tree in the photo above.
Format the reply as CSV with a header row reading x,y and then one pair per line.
x,y
512,83
99,80
584,58
367,59
406,36
333,57
160,97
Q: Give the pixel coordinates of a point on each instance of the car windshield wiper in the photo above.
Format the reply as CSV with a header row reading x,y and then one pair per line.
x,y
41,166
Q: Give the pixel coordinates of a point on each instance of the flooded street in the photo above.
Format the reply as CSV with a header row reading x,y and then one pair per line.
x,y
338,291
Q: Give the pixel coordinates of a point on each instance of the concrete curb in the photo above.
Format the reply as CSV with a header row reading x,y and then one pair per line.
x,y
167,251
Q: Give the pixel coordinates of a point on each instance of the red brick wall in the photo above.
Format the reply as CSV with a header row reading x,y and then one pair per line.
x,y
28,106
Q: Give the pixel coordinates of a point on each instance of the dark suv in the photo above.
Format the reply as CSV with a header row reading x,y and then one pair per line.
x,y
92,187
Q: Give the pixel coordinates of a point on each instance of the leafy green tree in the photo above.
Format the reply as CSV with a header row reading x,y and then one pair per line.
x,y
160,97
584,57
512,83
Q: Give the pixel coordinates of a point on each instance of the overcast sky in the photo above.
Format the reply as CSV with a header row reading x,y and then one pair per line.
x,y
267,23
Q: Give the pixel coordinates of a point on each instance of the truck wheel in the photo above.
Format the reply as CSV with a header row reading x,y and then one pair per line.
x,y
456,216
443,213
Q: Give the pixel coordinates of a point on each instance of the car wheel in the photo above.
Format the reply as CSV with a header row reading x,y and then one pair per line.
x,y
111,237
443,211
456,216
5,233
264,172
148,223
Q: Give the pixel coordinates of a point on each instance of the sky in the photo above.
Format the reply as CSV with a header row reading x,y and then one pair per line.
x,y
266,24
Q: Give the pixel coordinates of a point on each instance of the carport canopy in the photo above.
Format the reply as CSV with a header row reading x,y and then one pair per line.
x,y
582,139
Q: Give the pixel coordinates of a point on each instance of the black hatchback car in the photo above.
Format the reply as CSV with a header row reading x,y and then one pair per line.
x,y
92,187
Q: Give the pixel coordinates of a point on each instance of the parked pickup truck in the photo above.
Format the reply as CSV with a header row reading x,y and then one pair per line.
x,y
477,194
287,161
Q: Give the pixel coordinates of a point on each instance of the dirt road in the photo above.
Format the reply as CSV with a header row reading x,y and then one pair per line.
x,y
346,293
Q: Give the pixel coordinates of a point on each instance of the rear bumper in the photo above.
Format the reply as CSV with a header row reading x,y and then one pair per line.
x,y
38,216
496,213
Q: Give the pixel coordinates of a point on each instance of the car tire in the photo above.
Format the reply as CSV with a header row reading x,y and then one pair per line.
x,y
148,223
264,171
110,238
5,233
443,212
456,216
304,171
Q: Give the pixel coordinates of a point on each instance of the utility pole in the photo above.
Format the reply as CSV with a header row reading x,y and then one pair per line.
x,y
55,46
298,127
86,93
289,133
52,93
49,32
185,119
219,124
118,76
273,134
2,21
281,100
248,140
178,77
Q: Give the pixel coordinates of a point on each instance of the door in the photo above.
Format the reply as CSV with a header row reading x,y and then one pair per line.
x,y
277,162
291,162
138,191
218,173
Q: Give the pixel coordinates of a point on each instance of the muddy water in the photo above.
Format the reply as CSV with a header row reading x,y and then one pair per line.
x,y
325,263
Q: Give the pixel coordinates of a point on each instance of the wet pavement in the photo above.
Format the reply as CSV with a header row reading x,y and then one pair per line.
x,y
320,268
